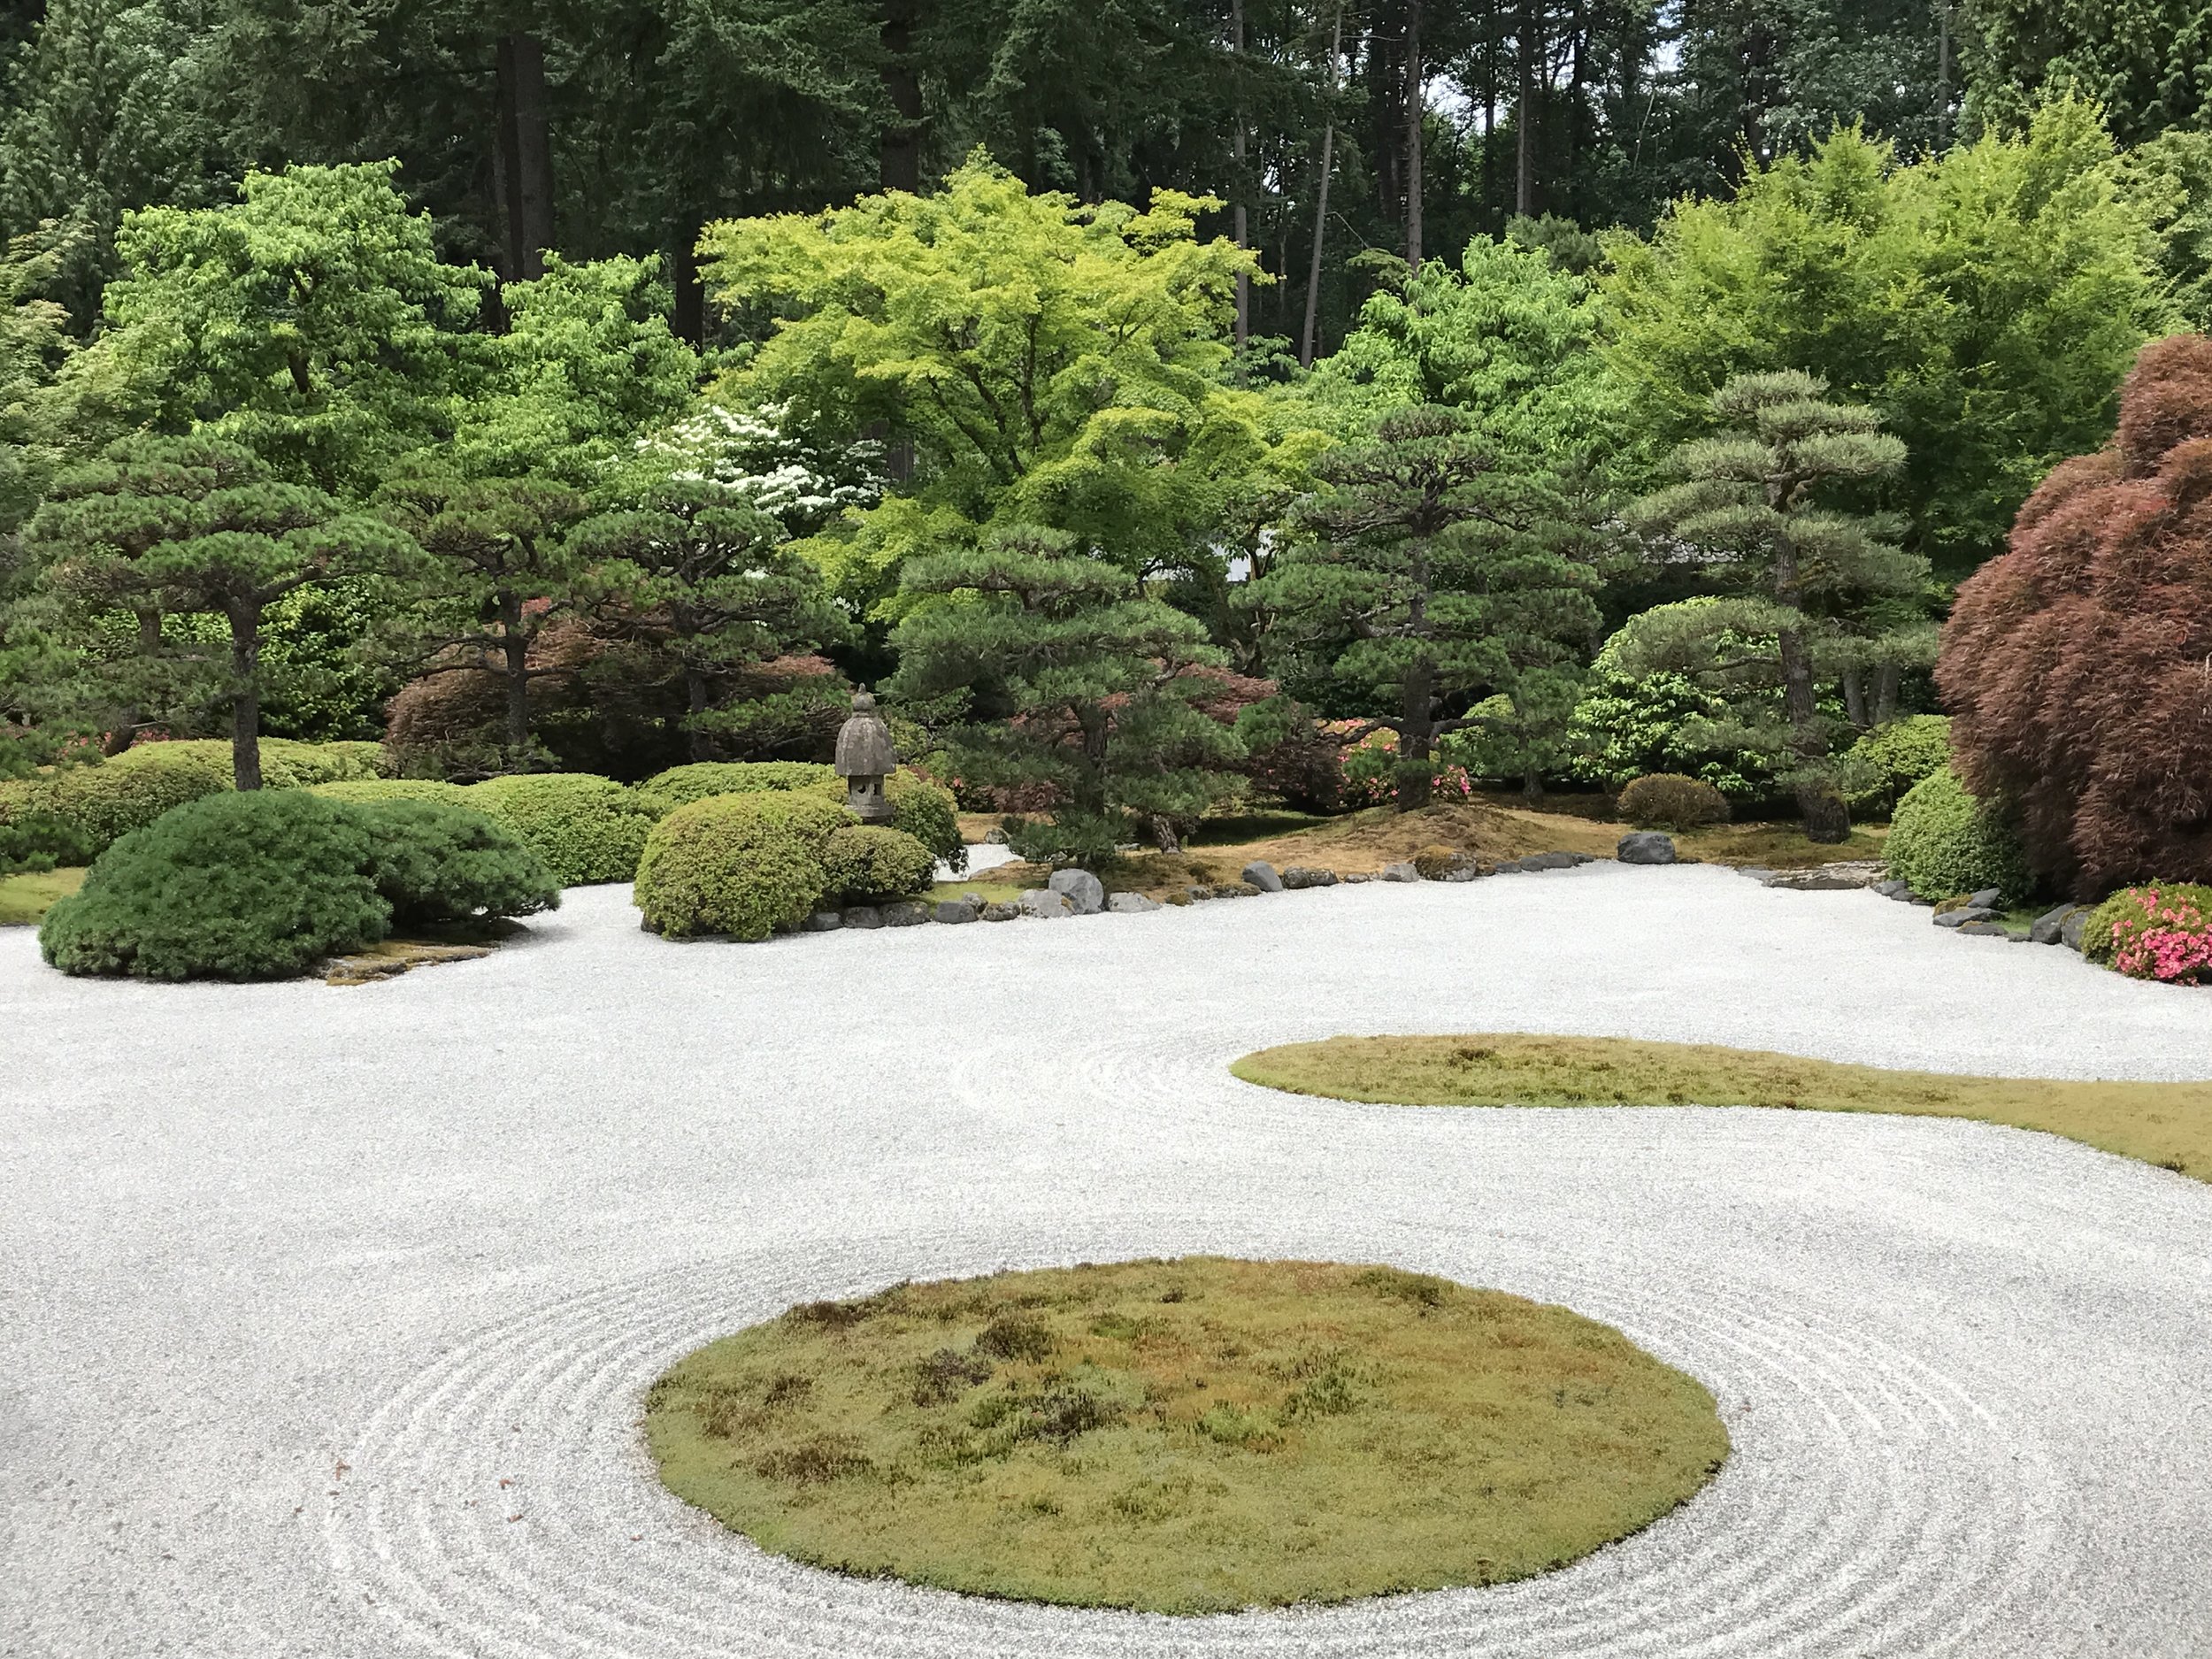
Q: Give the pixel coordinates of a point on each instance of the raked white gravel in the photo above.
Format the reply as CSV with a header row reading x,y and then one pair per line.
x,y
328,1312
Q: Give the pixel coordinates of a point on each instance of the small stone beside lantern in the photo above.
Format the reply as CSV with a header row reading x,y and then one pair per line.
x,y
864,759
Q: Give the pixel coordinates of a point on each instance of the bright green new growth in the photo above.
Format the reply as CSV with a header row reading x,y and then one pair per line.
x,y
744,865
109,799
586,828
1188,1437
681,786
262,885
1888,761
864,862
1943,842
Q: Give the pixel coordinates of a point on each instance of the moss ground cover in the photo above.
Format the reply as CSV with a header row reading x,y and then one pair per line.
x,y
1183,1436
2168,1124
26,898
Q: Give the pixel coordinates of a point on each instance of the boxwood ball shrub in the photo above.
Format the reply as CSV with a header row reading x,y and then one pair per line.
x,y
2160,932
437,863
681,786
926,811
866,861
740,865
1891,758
1668,800
262,886
586,828
1943,842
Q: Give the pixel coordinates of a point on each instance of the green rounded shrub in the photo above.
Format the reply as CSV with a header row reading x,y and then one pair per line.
x,y
2163,931
233,886
926,811
32,837
741,864
681,786
864,862
586,828
439,864
108,801
1943,842
1890,759
363,790
288,765
1668,800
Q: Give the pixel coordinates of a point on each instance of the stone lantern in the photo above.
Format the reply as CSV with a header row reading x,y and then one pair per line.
x,y
864,759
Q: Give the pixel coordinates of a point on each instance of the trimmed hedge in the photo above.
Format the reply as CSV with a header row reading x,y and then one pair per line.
x,y
926,811
32,837
1890,759
262,886
586,827
681,786
2161,932
1668,800
743,864
864,862
103,800
1942,842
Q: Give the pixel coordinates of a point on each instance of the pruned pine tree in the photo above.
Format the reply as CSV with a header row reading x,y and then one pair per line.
x,y
1426,579
1748,511
1079,683
162,526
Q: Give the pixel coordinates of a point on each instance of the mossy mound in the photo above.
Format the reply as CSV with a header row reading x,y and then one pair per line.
x,y
1188,1436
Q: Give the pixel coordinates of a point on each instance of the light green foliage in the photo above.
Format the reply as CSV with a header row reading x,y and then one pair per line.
x,y
745,865
310,321
2170,178
372,789
1629,724
264,884
1750,506
1984,303
107,799
1890,759
1671,801
586,828
1053,363
1097,674
926,811
681,786
864,862
748,454
1943,842
1423,579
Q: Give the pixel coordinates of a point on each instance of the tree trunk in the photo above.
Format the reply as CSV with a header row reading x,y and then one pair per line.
x,y
515,645
1416,773
1384,102
701,745
1164,835
1826,818
1489,106
1321,198
1855,698
525,157
1413,135
1532,785
899,159
1885,679
1240,223
690,319
245,698
1528,47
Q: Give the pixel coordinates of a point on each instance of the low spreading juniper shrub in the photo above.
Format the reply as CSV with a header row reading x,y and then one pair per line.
x,y
2163,931
865,862
741,864
1669,800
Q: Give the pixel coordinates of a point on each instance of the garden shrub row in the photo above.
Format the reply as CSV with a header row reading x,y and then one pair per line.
x,y
751,864
586,828
919,807
94,803
265,885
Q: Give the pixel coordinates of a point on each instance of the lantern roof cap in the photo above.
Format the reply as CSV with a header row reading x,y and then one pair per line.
x,y
863,743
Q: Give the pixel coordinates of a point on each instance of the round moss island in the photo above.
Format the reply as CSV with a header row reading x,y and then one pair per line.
x,y
1191,1436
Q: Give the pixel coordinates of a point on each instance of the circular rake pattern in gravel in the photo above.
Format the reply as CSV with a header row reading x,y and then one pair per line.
x,y
500,1503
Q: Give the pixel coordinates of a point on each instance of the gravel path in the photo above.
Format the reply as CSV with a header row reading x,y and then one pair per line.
x,y
325,1312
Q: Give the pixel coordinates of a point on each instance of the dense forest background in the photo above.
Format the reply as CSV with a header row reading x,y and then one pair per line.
x,y
624,126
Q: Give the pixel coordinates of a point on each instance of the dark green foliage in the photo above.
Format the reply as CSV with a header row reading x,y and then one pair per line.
x,y
256,886
586,828
33,838
745,865
1942,842
1670,801
927,812
1888,761
865,862
436,864
681,786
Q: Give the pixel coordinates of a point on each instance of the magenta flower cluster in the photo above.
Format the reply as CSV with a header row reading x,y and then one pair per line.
x,y
2163,935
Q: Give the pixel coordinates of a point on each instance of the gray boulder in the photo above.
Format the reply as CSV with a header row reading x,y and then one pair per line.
x,y
1299,876
1044,902
1895,890
822,922
1506,867
1131,903
1084,892
1964,914
2050,927
905,913
1398,873
996,911
2070,930
863,915
1985,930
1261,874
1813,881
996,837
1553,861
1362,875
1644,847
1469,871
1759,873
963,910
1986,900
